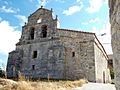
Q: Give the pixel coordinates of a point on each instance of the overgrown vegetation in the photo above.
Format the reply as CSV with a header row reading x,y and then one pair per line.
x,y
6,84
2,73
112,73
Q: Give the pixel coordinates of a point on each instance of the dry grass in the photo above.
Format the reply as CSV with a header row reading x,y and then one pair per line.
x,y
6,84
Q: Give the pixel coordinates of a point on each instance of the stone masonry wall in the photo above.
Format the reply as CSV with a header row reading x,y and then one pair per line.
x,y
90,56
115,33
14,63
82,65
46,19
101,68
49,60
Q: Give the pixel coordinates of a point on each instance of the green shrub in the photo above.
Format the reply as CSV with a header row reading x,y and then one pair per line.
x,y
112,73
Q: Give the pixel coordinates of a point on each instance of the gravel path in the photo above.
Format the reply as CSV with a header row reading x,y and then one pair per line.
x,y
96,86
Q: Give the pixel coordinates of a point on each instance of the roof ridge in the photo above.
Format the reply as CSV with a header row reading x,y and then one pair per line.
x,y
75,31
40,8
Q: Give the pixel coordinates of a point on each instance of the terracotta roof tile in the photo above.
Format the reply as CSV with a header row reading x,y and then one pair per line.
x,y
85,33
76,31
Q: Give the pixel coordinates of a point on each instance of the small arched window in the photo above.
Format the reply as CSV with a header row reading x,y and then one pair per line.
x,y
44,31
73,54
32,31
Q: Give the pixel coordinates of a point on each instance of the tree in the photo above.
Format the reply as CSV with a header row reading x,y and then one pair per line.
x,y
2,73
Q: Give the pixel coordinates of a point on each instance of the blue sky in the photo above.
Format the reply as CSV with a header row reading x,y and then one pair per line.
x,y
83,15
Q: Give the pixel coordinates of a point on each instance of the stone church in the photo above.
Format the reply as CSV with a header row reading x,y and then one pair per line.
x,y
46,50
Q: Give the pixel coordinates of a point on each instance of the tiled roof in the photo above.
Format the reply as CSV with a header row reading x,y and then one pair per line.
x,y
67,30
76,31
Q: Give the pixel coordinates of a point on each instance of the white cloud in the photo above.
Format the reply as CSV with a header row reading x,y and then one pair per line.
x,y
84,23
105,2
78,0
2,65
8,10
8,37
106,38
95,20
22,19
42,2
95,5
73,10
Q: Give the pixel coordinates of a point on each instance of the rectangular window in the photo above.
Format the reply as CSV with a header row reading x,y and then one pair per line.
x,y
34,54
73,54
33,67
32,31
